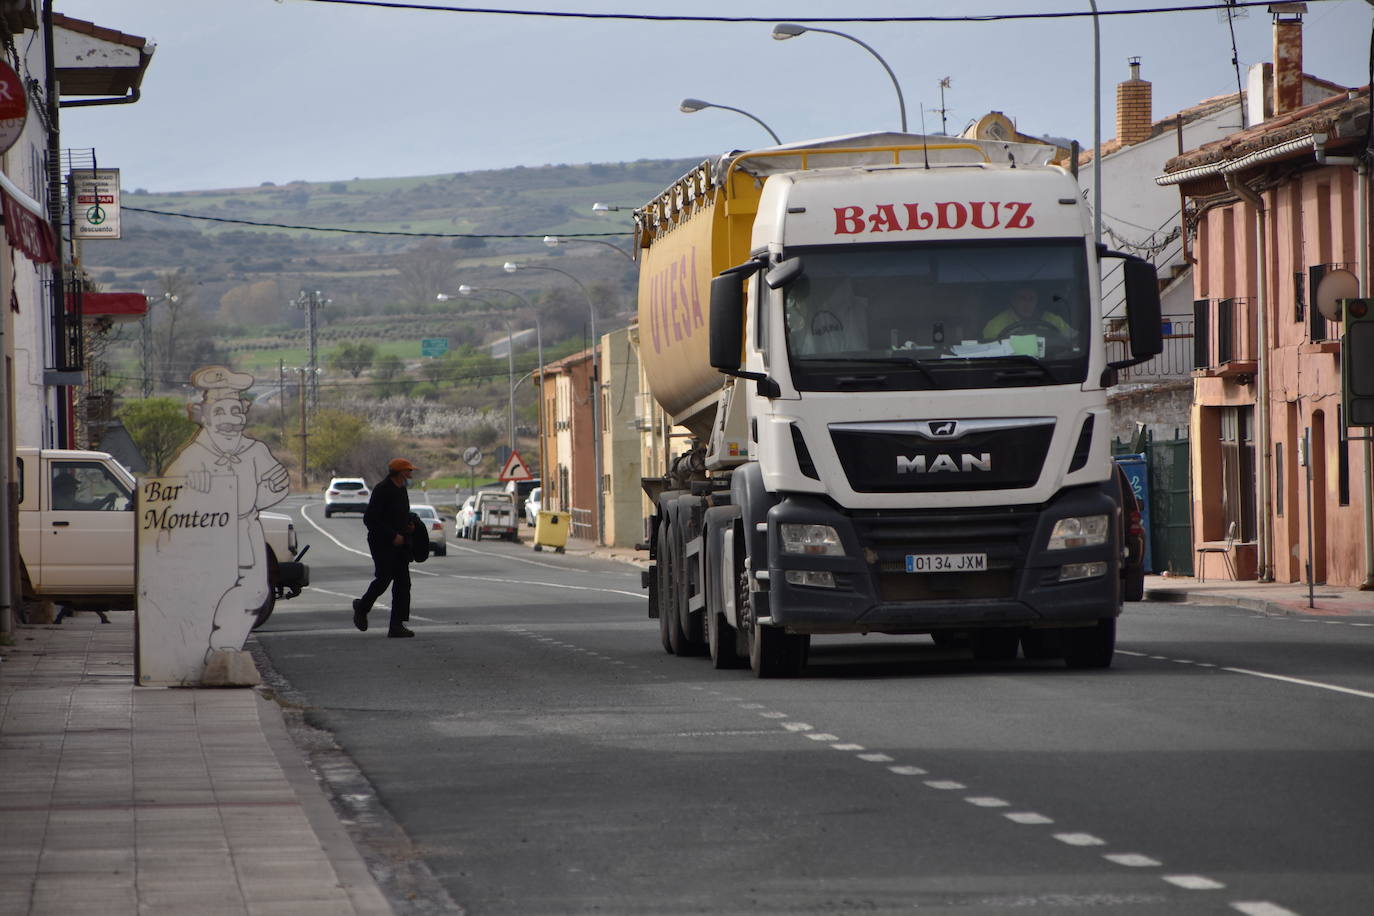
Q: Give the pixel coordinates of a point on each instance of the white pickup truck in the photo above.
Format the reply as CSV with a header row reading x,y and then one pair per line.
x,y
76,534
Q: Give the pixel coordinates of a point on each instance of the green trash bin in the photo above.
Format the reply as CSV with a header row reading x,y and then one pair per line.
x,y
551,530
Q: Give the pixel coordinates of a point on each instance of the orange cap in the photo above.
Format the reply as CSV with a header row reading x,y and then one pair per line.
x,y
400,464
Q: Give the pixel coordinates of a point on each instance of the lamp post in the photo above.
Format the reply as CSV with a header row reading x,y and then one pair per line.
x,y
785,30
553,241
467,292
511,267
600,209
687,106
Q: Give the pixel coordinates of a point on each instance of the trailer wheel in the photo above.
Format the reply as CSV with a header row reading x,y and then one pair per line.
x,y
1091,647
663,588
678,599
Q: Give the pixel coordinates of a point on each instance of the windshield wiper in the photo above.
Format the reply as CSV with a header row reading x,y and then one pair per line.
x,y
1035,366
910,362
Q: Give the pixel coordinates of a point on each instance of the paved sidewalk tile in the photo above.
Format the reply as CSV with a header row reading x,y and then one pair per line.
x,y
120,799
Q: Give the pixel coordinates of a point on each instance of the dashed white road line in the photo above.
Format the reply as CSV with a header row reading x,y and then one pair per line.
x,y
1076,839
1249,672
1194,882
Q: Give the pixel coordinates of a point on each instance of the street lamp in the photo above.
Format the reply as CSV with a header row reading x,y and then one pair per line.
x,y
600,209
785,30
511,267
553,241
687,106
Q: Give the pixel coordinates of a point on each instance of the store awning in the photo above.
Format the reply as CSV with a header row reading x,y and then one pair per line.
x,y
117,306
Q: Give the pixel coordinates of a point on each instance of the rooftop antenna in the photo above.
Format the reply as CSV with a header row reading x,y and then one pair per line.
x,y
1232,13
944,122
925,139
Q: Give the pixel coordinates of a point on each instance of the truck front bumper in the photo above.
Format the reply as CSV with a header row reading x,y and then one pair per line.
x,y
869,589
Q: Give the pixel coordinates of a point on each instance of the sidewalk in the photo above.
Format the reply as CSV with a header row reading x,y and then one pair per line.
x,y
120,799
1267,597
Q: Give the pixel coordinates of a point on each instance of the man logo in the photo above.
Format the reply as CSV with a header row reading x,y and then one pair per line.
x,y
943,428
923,464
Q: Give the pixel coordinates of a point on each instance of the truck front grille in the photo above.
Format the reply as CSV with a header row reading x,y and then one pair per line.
x,y
1003,533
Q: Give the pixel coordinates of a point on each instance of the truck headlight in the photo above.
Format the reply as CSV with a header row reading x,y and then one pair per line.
x,y
1071,572
1079,531
810,577
811,540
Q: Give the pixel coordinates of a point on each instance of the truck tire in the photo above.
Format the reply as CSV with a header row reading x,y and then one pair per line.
x,y
995,645
683,643
1091,647
720,636
663,587
773,652
262,613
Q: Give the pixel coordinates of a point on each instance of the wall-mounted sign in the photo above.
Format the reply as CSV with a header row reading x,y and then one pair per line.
x,y
14,106
95,203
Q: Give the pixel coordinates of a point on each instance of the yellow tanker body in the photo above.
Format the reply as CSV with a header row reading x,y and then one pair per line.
x,y
687,236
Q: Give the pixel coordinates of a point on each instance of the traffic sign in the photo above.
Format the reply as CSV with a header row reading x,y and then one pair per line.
x,y
515,469
472,456
433,346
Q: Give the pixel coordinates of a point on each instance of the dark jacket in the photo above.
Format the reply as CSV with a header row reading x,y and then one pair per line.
x,y
388,511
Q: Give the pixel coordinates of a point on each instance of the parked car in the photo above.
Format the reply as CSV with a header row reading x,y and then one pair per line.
x,y
492,514
464,521
533,503
346,494
520,491
438,545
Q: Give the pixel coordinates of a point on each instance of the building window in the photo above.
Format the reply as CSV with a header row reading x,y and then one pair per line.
x,y
1238,469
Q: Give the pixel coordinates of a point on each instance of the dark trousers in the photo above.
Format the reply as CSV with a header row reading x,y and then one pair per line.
x,y
392,567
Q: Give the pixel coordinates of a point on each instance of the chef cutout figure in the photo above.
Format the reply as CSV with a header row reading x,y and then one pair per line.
x,y
221,449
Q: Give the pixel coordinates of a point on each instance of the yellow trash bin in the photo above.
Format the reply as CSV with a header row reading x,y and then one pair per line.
x,y
551,530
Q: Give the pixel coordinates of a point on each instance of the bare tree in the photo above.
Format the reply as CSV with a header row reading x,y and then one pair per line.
x,y
423,272
178,289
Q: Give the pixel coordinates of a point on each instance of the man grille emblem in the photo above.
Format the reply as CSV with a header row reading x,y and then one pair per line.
x,y
943,428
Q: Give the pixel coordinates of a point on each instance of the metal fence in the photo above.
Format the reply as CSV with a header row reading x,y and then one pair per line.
x,y
580,524
1174,362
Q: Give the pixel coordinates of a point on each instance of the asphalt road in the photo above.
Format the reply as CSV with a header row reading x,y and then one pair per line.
x,y
543,755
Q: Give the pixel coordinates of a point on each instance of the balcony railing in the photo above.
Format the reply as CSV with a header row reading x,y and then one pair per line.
x,y
1175,361
1224,342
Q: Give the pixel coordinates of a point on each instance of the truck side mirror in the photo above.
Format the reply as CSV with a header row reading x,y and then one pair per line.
x,y
1142,308
784,273
727,322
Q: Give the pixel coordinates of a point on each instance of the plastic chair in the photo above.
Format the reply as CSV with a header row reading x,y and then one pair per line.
x,y
1224,551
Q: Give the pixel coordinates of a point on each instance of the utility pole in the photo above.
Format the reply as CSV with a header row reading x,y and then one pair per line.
x,y
311,301
305,483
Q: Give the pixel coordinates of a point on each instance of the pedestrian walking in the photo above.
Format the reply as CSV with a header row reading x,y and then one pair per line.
x,y
389,528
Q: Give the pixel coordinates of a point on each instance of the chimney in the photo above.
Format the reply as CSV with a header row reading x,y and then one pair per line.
x,y
1133,107
1287,56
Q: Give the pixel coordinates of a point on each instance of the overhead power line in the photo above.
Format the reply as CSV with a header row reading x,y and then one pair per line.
x,y
667,17
425,235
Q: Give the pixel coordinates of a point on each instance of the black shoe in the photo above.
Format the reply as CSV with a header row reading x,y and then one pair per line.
x,y
399,632
359,615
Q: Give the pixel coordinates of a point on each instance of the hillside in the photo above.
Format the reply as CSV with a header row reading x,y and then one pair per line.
x,y
228,263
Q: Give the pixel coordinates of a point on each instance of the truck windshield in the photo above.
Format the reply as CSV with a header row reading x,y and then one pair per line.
x,y
947,315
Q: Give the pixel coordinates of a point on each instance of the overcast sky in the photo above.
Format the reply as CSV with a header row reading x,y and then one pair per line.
x,y
245,91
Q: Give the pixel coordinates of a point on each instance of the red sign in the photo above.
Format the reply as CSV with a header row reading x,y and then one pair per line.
x,y
941,214
515,469
14,106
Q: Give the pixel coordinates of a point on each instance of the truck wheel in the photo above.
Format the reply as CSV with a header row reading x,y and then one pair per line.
x,y
996,645
663,587
720,636
1091,647
773,652
683,644
262,613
